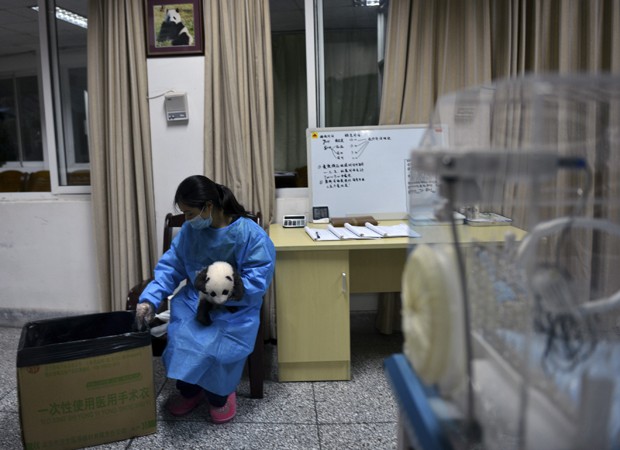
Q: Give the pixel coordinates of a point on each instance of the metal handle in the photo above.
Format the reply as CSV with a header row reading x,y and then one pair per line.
x,y
344,282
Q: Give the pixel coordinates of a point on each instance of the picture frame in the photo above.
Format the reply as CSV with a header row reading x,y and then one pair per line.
x,y
174,28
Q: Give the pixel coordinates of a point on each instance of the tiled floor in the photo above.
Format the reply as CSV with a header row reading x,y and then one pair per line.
x,y
356,414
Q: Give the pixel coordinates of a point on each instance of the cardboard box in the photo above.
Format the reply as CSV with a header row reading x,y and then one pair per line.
x,y
84,380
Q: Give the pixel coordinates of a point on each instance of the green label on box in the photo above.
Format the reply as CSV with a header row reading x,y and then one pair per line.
x,y
87,401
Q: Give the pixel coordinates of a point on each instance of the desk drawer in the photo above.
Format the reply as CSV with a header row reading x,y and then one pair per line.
x,y
376,270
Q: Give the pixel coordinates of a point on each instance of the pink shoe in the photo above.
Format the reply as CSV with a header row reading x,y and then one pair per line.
x,y
226,412
179,405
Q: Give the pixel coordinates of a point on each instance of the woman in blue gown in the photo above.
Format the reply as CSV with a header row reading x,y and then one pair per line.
x,y
207,361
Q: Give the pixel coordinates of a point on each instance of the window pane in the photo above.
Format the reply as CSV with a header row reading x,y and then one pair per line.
x,y
290,98
77,84
8,122
71,82
290,92
20,112
29,118
351,64
20,120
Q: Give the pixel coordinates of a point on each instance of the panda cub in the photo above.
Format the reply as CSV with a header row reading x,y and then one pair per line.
x,y
216,284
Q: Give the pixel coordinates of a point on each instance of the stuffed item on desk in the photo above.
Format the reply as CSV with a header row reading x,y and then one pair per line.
x,y
216,284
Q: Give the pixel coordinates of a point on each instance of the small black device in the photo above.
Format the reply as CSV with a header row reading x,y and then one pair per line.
x,y
292,221
320,214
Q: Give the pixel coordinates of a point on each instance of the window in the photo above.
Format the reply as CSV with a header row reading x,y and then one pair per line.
x,y
20,119
290,89
338,85
43,95
350,89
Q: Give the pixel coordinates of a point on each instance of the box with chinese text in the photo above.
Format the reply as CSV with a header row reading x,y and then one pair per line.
x,y
84,380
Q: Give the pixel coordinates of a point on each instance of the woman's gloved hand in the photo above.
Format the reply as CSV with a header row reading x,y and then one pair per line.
x,y
145,313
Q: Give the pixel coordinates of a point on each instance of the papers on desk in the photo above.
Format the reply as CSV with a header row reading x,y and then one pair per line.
x,y
369,231
352,232
430,219
400,230
320,234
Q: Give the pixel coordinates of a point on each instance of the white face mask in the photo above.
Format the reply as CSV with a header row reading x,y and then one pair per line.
x,y
199,222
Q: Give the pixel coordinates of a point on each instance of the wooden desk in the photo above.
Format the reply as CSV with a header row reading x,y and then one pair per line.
x,y
313,281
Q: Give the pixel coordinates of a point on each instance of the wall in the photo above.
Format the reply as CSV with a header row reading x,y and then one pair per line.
x,y
177,147
47,262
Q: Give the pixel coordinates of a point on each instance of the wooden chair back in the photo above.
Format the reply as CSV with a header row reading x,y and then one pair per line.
x,y
39,182
79,178
172,222
12,181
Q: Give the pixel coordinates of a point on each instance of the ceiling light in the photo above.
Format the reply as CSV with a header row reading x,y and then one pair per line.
x,y
68,16
366,2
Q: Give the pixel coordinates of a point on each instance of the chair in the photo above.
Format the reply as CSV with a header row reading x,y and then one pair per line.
x,y
78,178
39,182
255,363
12,181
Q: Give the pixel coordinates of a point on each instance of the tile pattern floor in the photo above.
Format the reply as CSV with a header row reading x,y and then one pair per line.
x,y
357,414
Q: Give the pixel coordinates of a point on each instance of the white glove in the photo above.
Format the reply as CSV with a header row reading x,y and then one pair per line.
x,y
145,312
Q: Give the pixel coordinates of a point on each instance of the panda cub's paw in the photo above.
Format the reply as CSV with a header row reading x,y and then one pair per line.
x,y
204,307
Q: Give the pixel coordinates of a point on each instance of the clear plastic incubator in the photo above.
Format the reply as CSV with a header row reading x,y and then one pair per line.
x,y
515,344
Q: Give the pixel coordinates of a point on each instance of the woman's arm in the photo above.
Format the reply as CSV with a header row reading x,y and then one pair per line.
x,y
168,274
257,264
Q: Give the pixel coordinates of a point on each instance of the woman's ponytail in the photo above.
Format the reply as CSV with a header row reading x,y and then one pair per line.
x,y
229,202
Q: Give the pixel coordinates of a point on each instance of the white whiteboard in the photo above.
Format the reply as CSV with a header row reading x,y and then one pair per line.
x,y
363,170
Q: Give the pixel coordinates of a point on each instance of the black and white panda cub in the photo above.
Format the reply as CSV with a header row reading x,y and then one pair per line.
x,y
216,284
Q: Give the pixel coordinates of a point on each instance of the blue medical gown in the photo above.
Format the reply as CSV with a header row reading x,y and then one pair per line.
x,y
212,356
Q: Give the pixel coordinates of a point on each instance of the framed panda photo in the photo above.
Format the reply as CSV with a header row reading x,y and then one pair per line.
x,y
174,28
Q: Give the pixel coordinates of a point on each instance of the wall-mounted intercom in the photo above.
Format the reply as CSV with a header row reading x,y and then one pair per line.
x,y
176,107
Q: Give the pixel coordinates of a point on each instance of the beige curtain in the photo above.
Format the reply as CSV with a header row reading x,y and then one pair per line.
x,y
239,137
432,48
436,47
119,132
555,36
